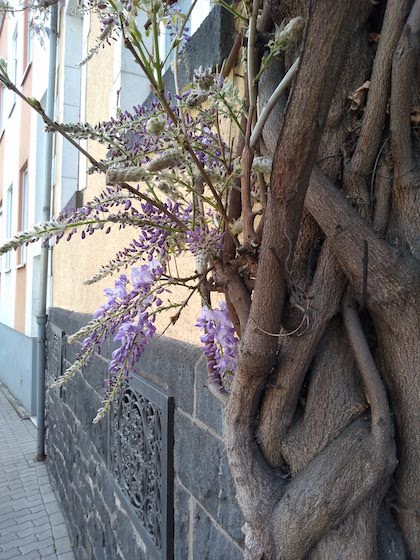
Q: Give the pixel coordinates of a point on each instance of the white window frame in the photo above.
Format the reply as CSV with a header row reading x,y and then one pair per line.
x,y
29,49
200,12
1,233
2,99
12,69
9,226
24,193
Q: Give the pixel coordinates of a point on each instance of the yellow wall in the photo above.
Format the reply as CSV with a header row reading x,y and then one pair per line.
x,y
78,260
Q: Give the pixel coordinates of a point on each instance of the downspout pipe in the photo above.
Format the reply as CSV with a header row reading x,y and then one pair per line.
x,y
41,317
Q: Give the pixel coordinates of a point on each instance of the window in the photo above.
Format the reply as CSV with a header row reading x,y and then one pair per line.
x,y
27,47
1,233
9,224
1,109
23,213
12,71
200,12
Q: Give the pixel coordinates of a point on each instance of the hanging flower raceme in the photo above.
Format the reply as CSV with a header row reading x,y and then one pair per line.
x,y
204,243
128,316
137,328
158,239
220,344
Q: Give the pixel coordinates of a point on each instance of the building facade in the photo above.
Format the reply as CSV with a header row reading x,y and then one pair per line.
x,y
21,179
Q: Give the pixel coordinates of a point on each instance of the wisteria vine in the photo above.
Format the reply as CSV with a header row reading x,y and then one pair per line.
x,y
170,173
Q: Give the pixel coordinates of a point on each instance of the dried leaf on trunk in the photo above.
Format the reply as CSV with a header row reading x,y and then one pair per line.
x,y
358,97
415,115
374,37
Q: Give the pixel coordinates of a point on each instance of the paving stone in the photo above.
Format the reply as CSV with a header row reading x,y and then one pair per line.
x,y
6,555
11,537
29,531
32,555
56,518
67,555
62,545
29,510
37,508
59,531
28,540
53,507
49,498
46,534
8,526
4,547
38,546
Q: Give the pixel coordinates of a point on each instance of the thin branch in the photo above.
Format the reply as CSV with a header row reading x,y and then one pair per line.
x,y
363,299
251,57
357,172
233,205
279,406
214,390
184,304
375,390
247,157
231,61
297,330
236,291
155,203
269,106
382,191
35,104
221,144
262,189
390,274
403,73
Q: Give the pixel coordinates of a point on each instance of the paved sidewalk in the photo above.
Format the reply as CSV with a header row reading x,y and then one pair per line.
x,y
32,526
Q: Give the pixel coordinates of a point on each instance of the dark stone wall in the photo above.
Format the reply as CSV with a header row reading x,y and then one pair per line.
x,y
207,520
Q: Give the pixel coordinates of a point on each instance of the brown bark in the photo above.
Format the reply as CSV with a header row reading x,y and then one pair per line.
x,y
320,417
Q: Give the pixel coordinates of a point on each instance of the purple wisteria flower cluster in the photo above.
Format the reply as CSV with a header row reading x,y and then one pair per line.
x,y
163,235
137,328
204,242
130,313
133,140
159,237
128,316
112,206
220,344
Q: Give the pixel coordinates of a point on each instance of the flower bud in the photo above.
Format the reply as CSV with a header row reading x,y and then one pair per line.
x,y
168,158
290,33
155,126
237,227
204,78
262,165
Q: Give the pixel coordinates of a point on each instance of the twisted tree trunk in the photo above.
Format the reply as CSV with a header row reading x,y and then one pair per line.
x,y
323,427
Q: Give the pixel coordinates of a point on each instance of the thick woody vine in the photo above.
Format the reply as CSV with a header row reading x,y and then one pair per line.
x,y
298,201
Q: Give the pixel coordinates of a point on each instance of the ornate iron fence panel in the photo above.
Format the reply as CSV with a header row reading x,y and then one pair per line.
x,y
141,461
54,352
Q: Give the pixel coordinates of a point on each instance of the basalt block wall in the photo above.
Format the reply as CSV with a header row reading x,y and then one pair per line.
x,y
204,521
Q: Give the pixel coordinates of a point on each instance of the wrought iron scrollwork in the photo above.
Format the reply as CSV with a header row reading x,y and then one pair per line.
x,y
54,352
137,449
